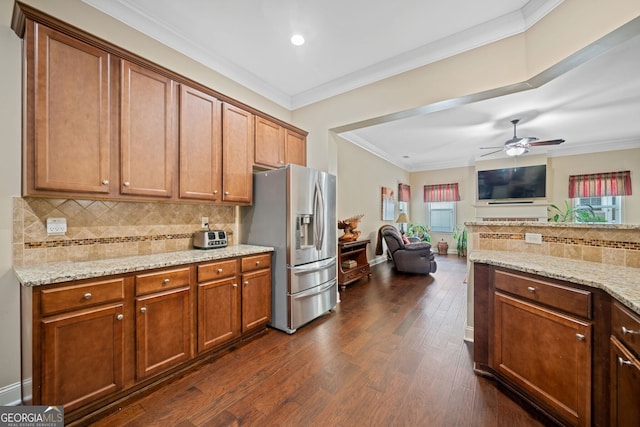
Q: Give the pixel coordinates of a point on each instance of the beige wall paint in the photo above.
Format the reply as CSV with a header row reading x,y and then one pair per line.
x,y
572,26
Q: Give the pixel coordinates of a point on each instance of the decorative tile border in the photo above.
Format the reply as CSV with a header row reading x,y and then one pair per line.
x,y
633,246
104,241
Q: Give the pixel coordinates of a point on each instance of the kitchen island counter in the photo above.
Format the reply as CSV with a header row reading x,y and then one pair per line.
x,y
47,274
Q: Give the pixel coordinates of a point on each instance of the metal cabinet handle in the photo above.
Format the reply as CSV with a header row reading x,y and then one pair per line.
x,y
219,270
120,316
143,309
531,289
246,283
87,295
215,191
580,337
623,362
126,183
235,285
166,281
105,182
226,193
626,331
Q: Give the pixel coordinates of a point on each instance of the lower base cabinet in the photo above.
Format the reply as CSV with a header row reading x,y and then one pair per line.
x,y
90,343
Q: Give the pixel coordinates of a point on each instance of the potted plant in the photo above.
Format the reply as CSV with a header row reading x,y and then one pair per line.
x,y
420,231
569,214
460,236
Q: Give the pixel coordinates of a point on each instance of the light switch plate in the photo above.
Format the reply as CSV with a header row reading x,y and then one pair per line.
x,y
205,222
533,238
56,226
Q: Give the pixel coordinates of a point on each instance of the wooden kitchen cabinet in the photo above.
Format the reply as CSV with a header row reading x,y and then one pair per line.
x,y
200,145
276,146
256,292
625,367
163,320
81,354
237,154
67,123
218,304
148,150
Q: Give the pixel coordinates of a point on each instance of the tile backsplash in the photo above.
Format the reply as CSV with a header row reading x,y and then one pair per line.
x,y
98,229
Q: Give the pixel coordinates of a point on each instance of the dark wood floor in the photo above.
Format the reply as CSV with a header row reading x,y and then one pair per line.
x,y
391,354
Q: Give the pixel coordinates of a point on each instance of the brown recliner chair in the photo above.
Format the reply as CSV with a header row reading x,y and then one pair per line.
x,y
414,257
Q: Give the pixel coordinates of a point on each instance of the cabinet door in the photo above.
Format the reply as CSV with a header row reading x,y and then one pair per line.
x,y
625,386
547,354
218,313
237,146
269,144
200,145
147,142
163,331
296,148
256,299
68,139
82,356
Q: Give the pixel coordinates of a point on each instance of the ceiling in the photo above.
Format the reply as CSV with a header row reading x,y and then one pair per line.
x,y
593,106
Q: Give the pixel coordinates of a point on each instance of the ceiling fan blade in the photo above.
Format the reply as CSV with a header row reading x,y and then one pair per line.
x,y
548,142
493,152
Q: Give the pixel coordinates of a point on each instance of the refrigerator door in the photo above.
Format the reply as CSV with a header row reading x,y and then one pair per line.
x,y
312,219
307,276
306,306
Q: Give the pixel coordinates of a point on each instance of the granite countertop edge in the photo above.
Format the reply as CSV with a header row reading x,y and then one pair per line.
x,y
48,274
622,283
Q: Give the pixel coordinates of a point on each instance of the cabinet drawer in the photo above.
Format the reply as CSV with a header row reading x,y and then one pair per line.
x,y
79,296
161,280
626,326
570,300
217,270
257,262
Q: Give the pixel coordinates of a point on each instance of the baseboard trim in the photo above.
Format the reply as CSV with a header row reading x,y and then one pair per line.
x,y
468,334
10,395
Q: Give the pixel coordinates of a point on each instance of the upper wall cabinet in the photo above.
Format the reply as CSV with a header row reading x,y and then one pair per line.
x,y
67,135
276,146
200,145
147,141
237,154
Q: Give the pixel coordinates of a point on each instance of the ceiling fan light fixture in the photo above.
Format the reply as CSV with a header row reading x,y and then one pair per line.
x,y
516,150
297,40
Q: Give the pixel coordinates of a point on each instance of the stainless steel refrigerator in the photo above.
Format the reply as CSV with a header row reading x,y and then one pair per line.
x,y
294,211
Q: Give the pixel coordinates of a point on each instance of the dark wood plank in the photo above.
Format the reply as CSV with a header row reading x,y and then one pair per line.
x,y
391,353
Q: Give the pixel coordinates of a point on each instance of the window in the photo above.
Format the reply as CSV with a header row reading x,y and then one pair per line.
x,y
441,216
609,208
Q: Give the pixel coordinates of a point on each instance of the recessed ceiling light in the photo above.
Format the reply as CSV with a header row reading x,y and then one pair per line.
x,y
297,39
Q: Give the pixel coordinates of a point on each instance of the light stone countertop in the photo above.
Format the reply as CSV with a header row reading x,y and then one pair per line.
x,y
622,283
47,274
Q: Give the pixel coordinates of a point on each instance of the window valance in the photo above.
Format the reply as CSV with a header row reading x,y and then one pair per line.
x,y
404,193
441,193
600,184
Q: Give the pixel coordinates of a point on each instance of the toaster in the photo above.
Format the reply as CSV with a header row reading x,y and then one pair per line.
x,y
209,239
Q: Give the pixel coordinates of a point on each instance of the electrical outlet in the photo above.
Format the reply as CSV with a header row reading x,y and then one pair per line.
x,y
205,222
533,238
56,226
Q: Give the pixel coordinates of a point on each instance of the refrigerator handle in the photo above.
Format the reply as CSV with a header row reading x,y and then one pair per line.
x,y
318,207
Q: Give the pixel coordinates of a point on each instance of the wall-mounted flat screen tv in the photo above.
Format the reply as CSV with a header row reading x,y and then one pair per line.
x,y
525,182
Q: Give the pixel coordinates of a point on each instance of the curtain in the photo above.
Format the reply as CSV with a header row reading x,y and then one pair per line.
x,y
600,184
404,193
441,193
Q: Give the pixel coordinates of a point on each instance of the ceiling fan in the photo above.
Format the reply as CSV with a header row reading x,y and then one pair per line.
x,y
517,146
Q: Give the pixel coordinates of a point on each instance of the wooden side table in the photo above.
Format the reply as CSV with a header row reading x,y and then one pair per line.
x,y
352,261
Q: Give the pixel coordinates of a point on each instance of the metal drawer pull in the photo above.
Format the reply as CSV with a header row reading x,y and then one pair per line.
x,y
143,309
166,281
120,316
105,182
257,262
531,289
623,362
626,331
126,183
219,270
580,337
87,295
